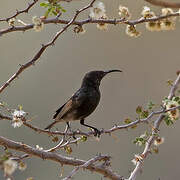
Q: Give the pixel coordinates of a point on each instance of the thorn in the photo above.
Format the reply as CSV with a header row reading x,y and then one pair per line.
x,y
115,21
7,83
77,11
102,130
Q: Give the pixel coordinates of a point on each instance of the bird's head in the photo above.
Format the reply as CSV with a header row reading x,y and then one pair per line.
x,y
93,78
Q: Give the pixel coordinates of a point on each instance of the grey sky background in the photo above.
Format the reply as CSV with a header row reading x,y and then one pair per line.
x,y
147,63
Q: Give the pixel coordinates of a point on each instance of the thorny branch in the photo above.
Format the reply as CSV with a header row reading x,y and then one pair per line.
x,y
43,48
103,168
78,132
30,5
68,23
88,21
151,139
49,154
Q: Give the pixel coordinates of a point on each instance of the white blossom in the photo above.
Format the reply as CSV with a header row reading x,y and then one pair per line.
x,y
22,166
79,29
103,26
147,13
98,10
18,116
166,11
131,31
137,158
38,24
124,12
174,114
158,141
154,25
11,21
9,166
38,147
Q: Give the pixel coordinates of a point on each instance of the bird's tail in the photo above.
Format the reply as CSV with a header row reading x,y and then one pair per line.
x,y
51,125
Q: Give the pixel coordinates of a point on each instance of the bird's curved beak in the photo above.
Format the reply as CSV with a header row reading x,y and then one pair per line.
x,y
110,71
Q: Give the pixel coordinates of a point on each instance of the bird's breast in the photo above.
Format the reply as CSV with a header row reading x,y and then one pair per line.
x,y
89,104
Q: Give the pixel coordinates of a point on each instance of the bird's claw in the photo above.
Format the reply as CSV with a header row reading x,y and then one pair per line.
x,y
97,132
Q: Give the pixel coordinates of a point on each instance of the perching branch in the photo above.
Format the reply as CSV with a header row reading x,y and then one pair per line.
x,y
154,132
90,133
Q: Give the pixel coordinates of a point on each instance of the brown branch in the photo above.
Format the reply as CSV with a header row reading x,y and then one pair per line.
x,y
4,117
85,165
164,3
106,171
43,48
115,128
88,21
30,5
90,133
154,132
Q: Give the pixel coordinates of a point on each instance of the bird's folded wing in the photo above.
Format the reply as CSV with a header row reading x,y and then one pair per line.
x,y
74,102
58,111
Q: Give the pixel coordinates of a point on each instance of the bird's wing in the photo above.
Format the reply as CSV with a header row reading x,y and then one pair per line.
x,y
75,101
58,111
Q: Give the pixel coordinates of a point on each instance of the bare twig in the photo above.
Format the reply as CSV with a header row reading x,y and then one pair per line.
x,y
164,3
86,164
3,117
30,5
43,48
106,171
154,132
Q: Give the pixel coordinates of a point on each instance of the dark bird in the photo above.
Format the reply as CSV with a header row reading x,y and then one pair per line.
x,y
83,102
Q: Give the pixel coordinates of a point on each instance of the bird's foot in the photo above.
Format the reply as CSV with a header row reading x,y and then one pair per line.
x,y
97,132
73,134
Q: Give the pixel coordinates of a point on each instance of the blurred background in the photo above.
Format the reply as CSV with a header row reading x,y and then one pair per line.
x,y
147,63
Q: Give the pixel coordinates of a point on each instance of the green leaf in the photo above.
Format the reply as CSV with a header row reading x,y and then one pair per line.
x,y
139,110
144,114
134,126
168,121
53,8
150,105
55,13
44,4
83,138
63,10
169,82
177,99
155,150
20,107
127,121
